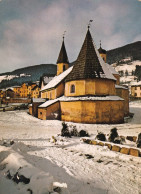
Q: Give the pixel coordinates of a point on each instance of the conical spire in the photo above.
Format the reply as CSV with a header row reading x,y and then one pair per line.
x,y
63,58
87,64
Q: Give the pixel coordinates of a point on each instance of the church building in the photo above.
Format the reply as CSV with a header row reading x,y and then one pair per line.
x,y
87,92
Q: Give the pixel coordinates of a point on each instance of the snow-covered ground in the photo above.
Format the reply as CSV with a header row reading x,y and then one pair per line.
x,y
65,164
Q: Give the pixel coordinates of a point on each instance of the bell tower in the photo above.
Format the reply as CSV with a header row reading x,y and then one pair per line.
x,y
102,53
62,61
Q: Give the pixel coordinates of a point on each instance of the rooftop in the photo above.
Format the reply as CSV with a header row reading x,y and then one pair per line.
x,y
89,63
57,79
63,58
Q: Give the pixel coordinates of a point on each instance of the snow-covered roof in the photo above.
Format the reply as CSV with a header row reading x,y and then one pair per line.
x,y
136,83
57,79
113,71
107,71
93,98
120,87
48,103
86,98
38,100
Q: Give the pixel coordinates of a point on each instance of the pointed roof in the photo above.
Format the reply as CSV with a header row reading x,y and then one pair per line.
x,y
89,63
63,58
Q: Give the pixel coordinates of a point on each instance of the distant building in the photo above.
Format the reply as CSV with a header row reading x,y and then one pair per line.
x,y
16,90
136,90
2,93
87,92
35,92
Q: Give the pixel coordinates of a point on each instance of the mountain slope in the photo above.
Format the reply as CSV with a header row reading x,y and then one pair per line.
x,y
132,50
27,74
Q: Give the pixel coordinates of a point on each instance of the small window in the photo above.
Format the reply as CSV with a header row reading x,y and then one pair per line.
x,y
135,88
135,94
64,67
72,89
40,113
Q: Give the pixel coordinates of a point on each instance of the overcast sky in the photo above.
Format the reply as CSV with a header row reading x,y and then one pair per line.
x,y
31,30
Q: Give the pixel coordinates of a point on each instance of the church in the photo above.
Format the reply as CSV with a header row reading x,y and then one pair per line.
x,y
87,92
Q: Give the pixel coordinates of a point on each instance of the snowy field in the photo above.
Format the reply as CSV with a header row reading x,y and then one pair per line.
x,y
63,167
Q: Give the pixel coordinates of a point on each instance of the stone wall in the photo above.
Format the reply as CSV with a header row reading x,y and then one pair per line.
x,y
117,148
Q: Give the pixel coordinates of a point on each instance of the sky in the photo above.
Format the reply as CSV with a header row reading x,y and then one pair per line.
x,y
31,30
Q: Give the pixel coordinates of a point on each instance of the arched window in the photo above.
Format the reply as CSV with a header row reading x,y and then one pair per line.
x,y
64,67
72,89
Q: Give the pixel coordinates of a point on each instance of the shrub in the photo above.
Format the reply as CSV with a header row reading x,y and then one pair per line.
x,y
139,141
113,135
74,132
83,133
101,136
65,131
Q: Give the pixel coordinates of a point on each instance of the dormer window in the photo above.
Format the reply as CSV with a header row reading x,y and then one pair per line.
x,y
72,89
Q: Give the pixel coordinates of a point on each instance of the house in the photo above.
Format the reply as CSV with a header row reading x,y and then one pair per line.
x,y
29,89
85,92
136,90
2,93
16,90
24,90
10,93
35,92
33,108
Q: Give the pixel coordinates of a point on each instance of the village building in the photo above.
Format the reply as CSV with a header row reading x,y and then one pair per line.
x,y
33,108
10,93
16,90
136,90
35,92
29,89
24,90
85,92
2,93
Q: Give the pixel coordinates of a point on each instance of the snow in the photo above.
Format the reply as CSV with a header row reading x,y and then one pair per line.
x,y
129,67
105,67
136,83
48,103
64,164
38,99
57,79
9,77
112,70
120,87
